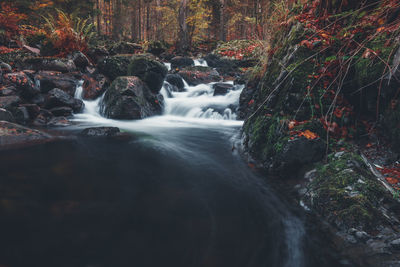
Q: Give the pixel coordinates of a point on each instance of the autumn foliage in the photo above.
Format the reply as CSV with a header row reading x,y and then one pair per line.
x,y
10,21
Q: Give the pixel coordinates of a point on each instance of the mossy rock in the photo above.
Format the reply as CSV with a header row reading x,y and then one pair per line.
x,y
115,66
149,71
346,193
128,98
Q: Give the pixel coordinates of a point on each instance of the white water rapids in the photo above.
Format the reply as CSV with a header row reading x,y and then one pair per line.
x,y
196,108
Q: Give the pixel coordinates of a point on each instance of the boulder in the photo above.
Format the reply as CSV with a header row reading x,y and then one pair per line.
x,y
298,153
128,98
198,75
5,115
14,135
32,109
24,85
49,80
114,66
62,111
97,54
100,132
8,90
124,48
5,68
176,80
58,98
8,102
149,71
58,122
21,115
47,63
94,86
181,62
43,118
156,48
112,133
222,88
80,60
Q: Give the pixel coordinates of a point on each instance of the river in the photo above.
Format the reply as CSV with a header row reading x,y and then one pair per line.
x,y
179,194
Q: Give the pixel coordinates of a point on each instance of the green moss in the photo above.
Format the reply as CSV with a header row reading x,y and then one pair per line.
x,y
346,192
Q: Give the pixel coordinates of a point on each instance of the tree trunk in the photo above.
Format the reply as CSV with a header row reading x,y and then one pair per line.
x,y
117,20
222,31
183,35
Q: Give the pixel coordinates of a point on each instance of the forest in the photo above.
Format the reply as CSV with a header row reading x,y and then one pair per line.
x,y
200,133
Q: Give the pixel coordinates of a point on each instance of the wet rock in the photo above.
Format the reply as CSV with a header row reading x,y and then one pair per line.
x,y
49,80
21,115
125,48
222,88
23,84
33,110
38,100
98,54
181,62
78,106
100,132
94,87
14,135
80,60
8,91
43,118
114,66
149,71
62,111
198,75
128,98
5,68
298,153
47,63
395,244
5,115
176,80
58,98
58,122
7,102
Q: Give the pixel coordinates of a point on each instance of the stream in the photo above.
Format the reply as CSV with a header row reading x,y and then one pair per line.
x,y
179,194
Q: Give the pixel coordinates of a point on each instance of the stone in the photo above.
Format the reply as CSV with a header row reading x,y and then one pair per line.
x,y
5,115
100,132
177,81
222,88
80,60
13,135
49,63
62,111
23,84
181,62
199,75
7,102
49,80
94,86
150,71
114,66
395,244
58,98
128,98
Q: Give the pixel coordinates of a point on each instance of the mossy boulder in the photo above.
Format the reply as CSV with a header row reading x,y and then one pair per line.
x,y
114,66
198,75
124,48
128,98
149,71
48,63
346,193
181,62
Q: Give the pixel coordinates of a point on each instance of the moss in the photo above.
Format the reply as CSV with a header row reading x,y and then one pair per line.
x,y
346,193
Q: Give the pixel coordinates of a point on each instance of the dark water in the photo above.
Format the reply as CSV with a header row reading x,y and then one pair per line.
x,y
178,197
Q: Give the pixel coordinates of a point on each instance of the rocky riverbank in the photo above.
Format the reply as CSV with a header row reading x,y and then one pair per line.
x,y
310,132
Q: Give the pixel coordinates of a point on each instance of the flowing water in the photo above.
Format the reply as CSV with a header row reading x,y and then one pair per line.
x,y
177,195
